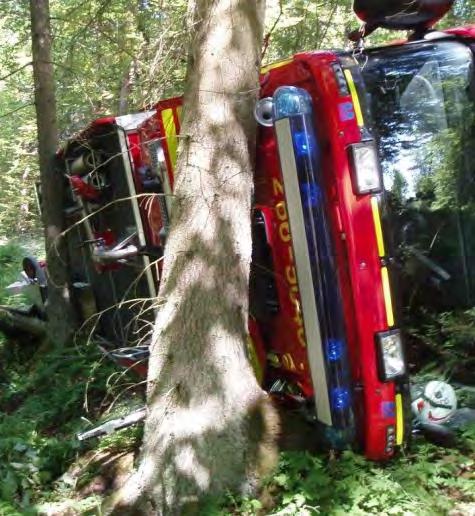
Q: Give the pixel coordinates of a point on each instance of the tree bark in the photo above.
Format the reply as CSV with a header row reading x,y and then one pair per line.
x,y
126,84
210,427
59,309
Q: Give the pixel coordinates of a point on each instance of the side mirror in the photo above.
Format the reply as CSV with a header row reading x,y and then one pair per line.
x,y
401,14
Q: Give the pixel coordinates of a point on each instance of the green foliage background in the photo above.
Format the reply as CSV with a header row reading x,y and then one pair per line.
x,y
99,46
102,45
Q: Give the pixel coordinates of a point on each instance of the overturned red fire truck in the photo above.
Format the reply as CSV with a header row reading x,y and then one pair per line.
x,y
347,142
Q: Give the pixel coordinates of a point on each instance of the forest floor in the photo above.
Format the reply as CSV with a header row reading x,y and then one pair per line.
x,y
47,396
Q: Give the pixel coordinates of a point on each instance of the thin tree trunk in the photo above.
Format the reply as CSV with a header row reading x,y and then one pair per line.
x,y
14,322
60,314
124,92
126,87
210,427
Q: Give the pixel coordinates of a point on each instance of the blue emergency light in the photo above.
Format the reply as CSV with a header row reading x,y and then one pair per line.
x,y
295,106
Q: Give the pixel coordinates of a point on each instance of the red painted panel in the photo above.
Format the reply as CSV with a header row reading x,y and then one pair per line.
x,y
464,32
359,265
351,219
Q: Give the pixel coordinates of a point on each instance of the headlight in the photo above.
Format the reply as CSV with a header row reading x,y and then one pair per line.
x,y
391,356
366,171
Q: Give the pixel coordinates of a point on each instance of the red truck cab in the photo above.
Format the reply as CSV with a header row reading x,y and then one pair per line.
x,y
349,119
318,184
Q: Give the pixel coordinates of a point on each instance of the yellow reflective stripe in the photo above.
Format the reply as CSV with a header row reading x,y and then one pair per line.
x,y
170,134
399,420
178,113
377,225
355,98
254,359
387,296
277,64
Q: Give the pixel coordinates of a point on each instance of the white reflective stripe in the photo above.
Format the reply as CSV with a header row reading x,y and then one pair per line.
x,y
126,158
167,189
132,121
304,271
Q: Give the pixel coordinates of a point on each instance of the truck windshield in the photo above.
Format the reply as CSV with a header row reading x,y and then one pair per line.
x,y
421,97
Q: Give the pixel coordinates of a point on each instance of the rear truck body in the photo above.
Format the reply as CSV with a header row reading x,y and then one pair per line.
x,y
112,257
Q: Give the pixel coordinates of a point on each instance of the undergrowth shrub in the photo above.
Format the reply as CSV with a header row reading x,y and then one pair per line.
x,y
43,395
10,264
444,341
40,407
428,481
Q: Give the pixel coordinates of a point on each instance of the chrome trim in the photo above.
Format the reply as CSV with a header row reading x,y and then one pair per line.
x,y
136,211
263,112
304,271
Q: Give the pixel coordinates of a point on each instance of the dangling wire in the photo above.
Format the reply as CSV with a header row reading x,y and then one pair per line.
x,y
360,58
358,48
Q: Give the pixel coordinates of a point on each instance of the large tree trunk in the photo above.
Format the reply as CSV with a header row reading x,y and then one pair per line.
x,y
210,427
59,310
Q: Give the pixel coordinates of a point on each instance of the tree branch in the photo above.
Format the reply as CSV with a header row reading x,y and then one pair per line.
x,y
269,34
19,69
4,115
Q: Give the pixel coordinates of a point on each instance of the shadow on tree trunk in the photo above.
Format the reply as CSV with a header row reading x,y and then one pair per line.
x,y
210,426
